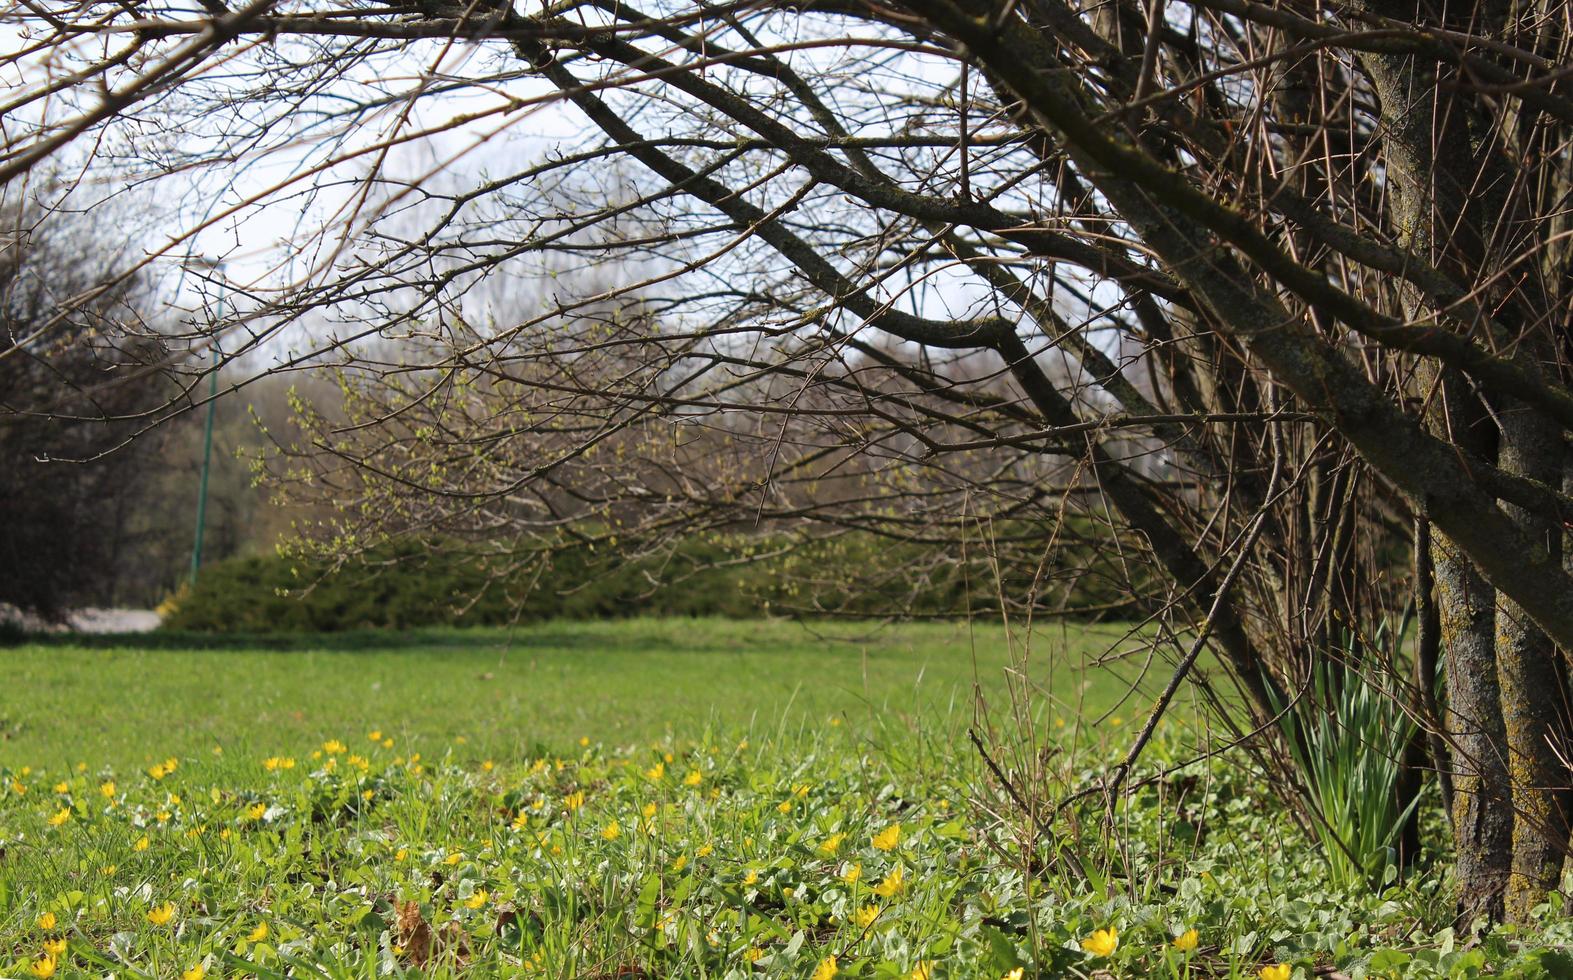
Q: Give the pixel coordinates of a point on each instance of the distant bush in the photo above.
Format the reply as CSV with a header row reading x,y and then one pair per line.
x,y
411,586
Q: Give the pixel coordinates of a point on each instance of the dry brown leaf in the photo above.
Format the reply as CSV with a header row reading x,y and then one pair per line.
x,y
414,933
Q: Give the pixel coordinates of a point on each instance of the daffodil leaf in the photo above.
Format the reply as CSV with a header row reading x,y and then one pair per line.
x,y
644,907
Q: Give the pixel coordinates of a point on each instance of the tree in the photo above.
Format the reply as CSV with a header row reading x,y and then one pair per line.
x,y
1286,285
64,365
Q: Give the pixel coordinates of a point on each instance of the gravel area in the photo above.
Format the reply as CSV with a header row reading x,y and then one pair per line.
x,y
90,620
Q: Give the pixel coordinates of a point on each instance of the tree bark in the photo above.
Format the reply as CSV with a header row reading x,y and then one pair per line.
x,y
1482,812
1534,691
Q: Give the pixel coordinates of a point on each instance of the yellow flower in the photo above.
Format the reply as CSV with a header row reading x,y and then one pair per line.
x,y
62,788
1278,971
923,971
161,914
375,736
680,863
1014,974
158,771
1102,942
611,831
477,899
43,968
656,771
109,869
195,973
453,858
705,850
752,954
865,916
574,800
108,789
650,810
887,839
830,845
46,921
258,934
694,778
256,810
826,969
892,884
584,741
387,743
56,946
18,788
400,854
141,844
60,817
852,873
785,806
751,878
1186,941
170,764
334,747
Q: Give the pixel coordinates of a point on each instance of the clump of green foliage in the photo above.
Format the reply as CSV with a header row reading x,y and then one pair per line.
x,y
1347,737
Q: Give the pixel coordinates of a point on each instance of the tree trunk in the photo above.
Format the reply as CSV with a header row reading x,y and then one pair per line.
x,y
1472,720
1482,809
1534,693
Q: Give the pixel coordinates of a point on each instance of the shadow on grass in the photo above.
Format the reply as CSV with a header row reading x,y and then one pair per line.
x,y
348,641
671,635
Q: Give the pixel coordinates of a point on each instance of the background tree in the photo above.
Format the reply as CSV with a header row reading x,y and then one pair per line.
x,y
1283,283
69,374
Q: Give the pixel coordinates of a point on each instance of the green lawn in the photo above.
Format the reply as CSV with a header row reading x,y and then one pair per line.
x,y
536,688
651,799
